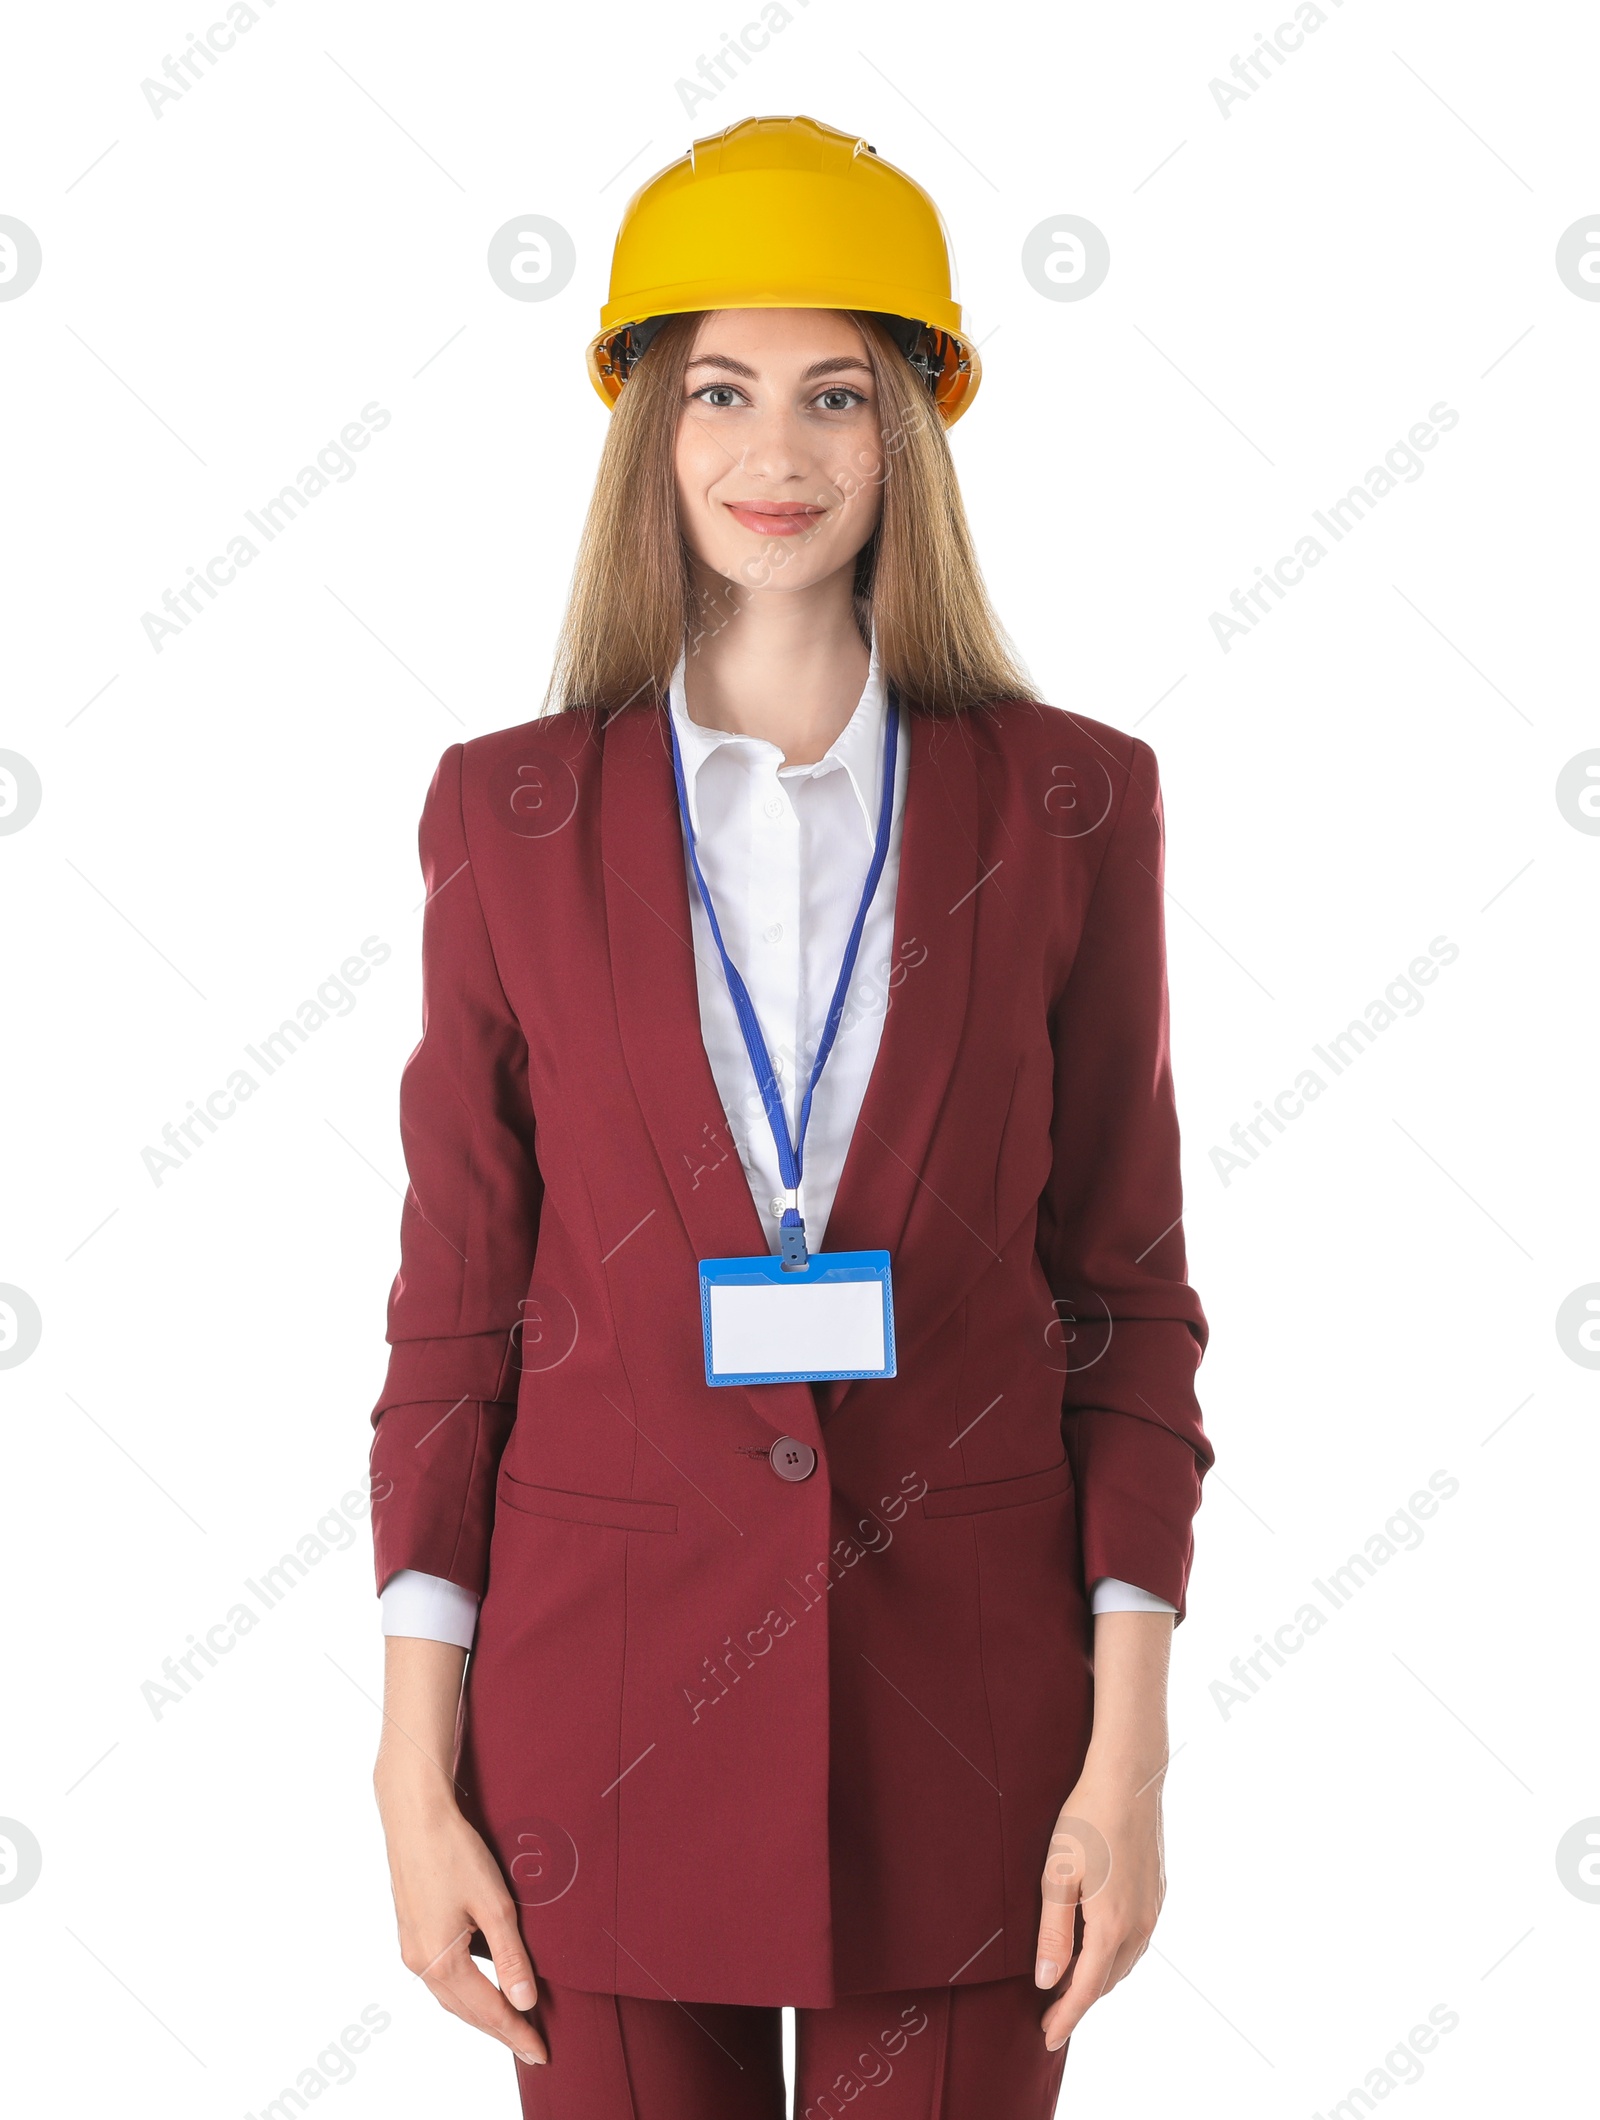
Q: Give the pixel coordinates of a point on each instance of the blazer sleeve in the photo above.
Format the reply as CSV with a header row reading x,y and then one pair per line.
x,y
1110,1224
468,1229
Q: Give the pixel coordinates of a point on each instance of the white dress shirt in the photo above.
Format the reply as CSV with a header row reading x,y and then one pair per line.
x,y
784,850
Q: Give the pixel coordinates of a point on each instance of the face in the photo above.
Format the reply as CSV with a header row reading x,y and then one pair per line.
x,y
778,454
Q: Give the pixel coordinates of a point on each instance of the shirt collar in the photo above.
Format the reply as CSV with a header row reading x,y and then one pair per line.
x,y
857,749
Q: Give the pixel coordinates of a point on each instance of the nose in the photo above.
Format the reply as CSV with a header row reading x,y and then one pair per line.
x,y
776,450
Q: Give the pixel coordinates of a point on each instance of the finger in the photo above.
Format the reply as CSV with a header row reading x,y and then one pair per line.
x,y
1054,1947
473,1997
455,1982
1078,1863
512,1966
1090,1978
1057,1926
1127,1958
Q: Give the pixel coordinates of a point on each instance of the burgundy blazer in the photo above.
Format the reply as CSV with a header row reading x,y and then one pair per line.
x,y
736,1736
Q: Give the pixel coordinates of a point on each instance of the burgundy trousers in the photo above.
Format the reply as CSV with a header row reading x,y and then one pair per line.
x,y
947,2053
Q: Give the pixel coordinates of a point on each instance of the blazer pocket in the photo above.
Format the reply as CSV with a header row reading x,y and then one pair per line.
x,y
614,1511
980,1495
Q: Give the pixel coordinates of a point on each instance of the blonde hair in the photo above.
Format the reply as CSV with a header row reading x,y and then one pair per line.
x,y
633,605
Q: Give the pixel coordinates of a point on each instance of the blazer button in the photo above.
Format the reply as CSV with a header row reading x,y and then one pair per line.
x,y
791,1460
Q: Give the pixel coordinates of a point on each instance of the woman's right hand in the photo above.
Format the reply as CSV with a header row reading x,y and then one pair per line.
x,y
445,1879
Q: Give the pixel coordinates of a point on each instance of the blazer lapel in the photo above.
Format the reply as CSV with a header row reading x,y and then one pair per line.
x,y
887,1193
658,1017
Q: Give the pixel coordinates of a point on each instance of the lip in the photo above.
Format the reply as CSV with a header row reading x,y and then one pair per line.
x,y
775,518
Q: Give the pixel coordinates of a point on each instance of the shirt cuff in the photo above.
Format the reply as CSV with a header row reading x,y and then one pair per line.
x,y
428,1608
1110,1595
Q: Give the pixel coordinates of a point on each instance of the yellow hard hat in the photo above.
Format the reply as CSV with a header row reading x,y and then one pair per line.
x,y
785,213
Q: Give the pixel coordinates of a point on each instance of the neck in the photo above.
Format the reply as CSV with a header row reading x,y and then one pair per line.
x,y
788,666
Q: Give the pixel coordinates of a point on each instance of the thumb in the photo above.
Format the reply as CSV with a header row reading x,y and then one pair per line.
x,y
512,1966
1073,1845
1055,1945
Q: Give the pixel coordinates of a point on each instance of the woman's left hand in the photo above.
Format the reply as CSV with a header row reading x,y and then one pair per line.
x,y
1105,1860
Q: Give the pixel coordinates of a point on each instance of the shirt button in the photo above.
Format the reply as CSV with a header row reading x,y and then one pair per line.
x,y
775,932
791,1460
779,1203
773,806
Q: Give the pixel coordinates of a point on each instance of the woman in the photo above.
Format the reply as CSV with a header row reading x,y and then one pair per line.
x,y
792,1338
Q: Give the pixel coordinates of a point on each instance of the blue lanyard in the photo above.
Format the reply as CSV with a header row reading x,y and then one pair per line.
x,y
792,1229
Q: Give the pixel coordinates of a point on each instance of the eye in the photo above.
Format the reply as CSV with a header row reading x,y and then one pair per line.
x,y
717,394
840,398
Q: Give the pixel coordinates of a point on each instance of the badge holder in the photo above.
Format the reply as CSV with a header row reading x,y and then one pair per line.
x,y
796,1317
765,1323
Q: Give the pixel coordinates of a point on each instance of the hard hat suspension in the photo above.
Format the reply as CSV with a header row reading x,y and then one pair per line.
x,y
932,353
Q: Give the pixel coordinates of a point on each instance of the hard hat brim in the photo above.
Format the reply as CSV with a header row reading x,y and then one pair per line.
x,y
957,386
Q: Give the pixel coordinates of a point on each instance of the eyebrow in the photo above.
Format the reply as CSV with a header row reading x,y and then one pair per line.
x,y
828,367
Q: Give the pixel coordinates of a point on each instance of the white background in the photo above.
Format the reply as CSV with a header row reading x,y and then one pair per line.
x,y
1292,287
